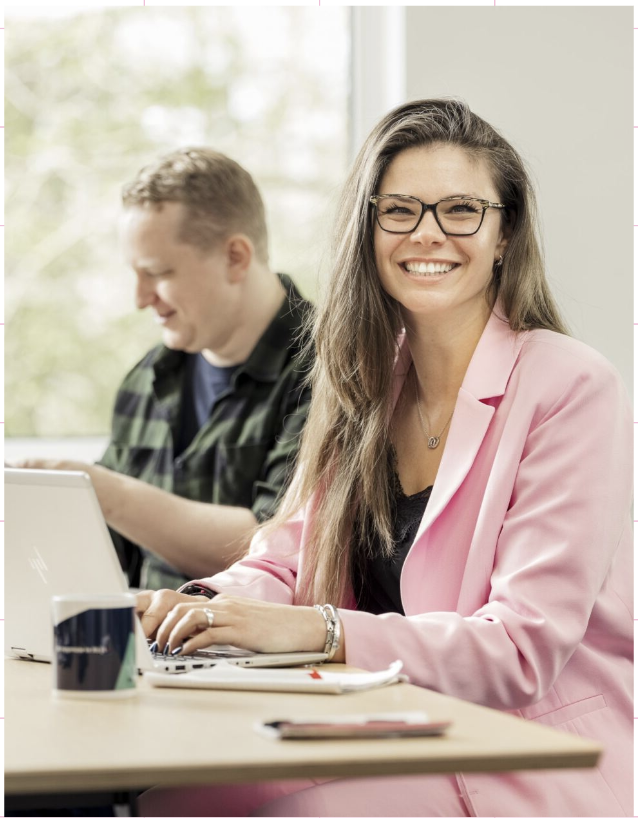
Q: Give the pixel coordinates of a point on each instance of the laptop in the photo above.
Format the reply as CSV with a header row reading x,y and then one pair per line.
x,y
57,542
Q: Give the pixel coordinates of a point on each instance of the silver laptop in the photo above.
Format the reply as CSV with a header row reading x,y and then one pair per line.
x,y
57,542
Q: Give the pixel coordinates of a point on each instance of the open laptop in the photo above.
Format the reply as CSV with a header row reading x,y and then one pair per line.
x,y
57,542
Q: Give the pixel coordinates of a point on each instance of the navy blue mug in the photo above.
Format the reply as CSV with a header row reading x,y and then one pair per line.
x,y
94,645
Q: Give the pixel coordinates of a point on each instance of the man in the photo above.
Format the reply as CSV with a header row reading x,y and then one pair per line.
x,y
206,426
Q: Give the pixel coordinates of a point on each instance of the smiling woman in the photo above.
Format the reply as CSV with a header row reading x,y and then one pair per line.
x,y
447,505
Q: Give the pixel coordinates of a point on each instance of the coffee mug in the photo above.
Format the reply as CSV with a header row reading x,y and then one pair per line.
x,y
94,645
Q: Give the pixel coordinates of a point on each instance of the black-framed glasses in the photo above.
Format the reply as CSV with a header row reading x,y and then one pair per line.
x,y
456,215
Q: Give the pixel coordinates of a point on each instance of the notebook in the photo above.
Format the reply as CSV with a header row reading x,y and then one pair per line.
x,y
57,542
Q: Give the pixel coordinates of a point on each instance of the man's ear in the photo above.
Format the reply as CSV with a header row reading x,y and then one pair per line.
x,y
239,254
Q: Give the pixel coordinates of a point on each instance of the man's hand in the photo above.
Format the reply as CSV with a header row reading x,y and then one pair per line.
x,y
199,539
50,465
105,482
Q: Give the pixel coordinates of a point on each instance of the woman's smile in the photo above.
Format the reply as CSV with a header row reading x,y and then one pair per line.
x,y
431,269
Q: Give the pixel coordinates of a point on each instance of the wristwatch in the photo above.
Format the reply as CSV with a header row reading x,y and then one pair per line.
x,y
197,589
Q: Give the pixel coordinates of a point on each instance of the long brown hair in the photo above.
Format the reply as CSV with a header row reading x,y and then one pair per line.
x,y
344,458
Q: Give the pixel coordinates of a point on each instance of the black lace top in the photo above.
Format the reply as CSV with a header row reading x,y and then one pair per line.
x,y
376,578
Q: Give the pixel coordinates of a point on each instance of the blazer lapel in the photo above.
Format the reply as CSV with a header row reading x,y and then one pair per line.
x,y
467,430
486,377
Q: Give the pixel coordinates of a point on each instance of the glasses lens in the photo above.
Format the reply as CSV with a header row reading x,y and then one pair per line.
x,y
398,214
460,216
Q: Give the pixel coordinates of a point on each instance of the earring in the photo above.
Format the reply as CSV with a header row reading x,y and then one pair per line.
x,y
498,264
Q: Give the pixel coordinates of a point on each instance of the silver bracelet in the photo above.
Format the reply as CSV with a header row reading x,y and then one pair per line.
x,y
329,628
336,634
333,629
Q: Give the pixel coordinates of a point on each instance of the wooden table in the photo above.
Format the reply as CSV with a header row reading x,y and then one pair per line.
x,y
181,737
178,737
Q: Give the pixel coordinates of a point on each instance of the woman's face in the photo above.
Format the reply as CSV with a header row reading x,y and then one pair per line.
x,y
433,173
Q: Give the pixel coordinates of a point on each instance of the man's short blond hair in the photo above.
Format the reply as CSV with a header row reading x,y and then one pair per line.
x,y
220,197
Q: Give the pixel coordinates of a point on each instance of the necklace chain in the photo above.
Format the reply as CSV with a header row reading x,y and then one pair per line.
x,y
434,440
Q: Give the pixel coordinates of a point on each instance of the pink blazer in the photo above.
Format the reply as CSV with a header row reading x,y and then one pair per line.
x,y
518,587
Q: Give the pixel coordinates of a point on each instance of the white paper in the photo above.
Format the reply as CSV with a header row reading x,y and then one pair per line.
x,y
226,676
408,716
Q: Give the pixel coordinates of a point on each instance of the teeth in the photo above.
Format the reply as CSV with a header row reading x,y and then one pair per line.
x,y
429,268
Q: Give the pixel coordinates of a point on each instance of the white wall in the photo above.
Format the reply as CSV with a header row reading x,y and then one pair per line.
x,y
558,83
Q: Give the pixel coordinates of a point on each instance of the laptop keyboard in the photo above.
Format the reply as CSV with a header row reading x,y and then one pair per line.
x,y
179,662
199,659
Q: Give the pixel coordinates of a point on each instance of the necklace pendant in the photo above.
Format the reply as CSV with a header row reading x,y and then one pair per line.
x,y
433,442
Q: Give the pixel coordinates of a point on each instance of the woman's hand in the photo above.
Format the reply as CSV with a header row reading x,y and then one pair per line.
x,y
152,607
245,623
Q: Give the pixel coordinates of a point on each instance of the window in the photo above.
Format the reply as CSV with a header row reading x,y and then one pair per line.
x,y
92,96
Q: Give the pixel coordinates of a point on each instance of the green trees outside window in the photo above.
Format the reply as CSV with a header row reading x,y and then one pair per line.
x,y
93,96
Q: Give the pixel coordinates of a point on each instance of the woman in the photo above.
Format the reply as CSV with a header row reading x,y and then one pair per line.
x,y
463,487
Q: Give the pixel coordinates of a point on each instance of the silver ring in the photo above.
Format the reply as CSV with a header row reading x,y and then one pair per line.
x,y
210,617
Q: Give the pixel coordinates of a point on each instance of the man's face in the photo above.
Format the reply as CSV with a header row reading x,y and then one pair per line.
x,y
188,289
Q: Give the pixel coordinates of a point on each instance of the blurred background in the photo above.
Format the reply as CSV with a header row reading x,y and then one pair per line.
x,y
289,92
91,97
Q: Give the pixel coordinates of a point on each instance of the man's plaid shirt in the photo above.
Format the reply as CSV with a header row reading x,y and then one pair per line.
x,y
242,456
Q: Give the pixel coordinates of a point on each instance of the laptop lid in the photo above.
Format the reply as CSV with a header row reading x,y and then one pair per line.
x,y
57,542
